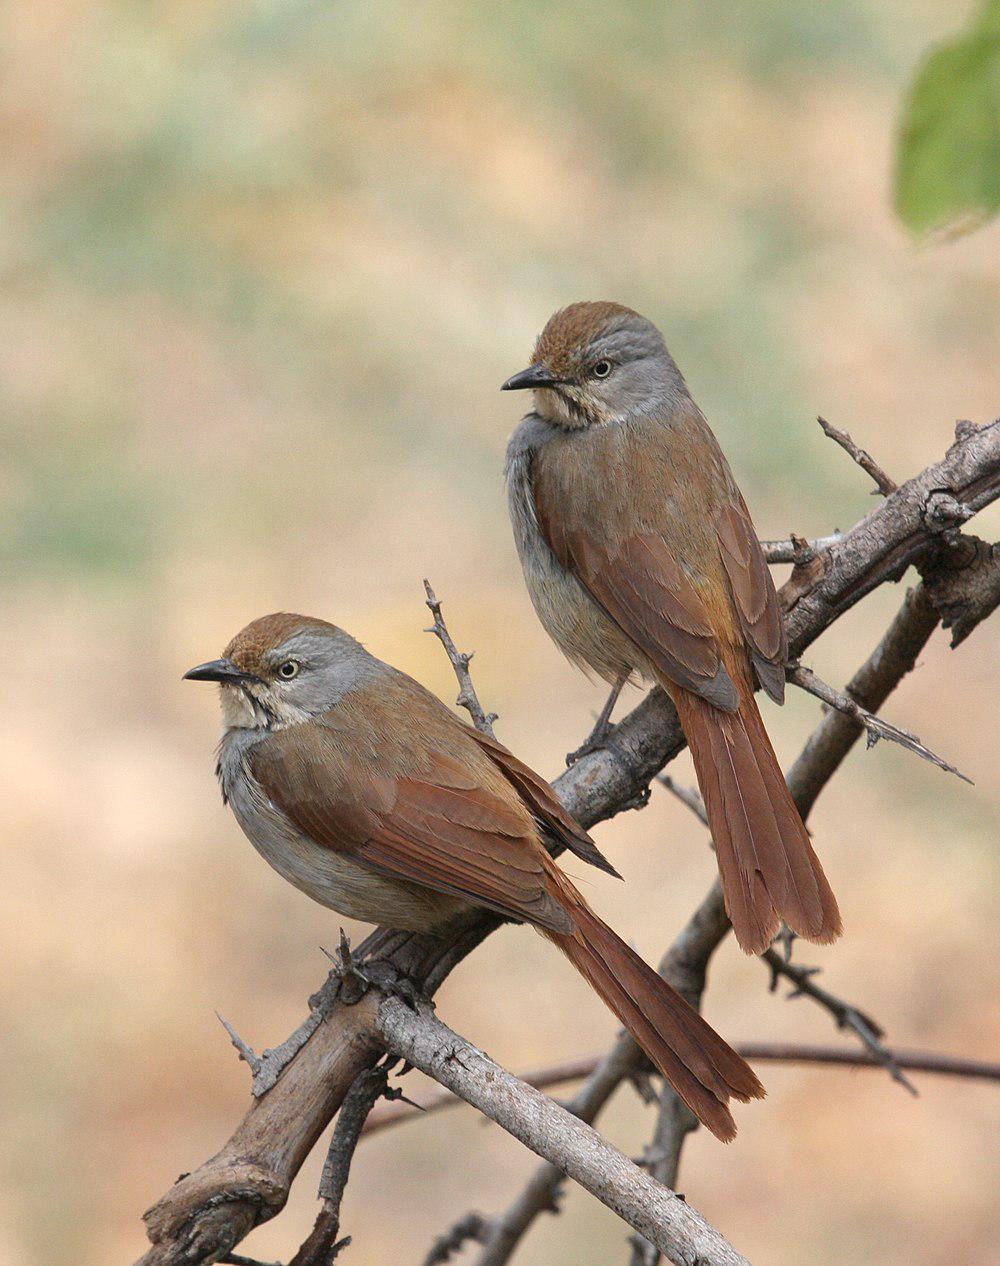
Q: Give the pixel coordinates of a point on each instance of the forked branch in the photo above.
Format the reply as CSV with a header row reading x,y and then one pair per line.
x,y
467,697
205,1215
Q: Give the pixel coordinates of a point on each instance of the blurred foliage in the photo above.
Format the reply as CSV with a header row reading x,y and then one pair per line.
x,y
948,164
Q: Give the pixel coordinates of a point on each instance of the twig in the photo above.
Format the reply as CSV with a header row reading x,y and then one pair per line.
x,y
247,1053
323,1245
868,464
688,796
467,697
877,728
388,1113
473,1226
844,1013
890,661
912,1061
794,549
931,1062
555,1134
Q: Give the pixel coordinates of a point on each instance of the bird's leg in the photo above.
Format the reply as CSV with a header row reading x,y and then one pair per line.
x,y
602,727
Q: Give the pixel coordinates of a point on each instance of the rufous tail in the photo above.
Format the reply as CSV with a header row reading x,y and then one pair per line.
x,y
704,1070
768,867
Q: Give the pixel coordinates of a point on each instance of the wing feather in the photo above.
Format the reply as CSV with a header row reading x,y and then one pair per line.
x,y
754,594
544,803
644,590
438,827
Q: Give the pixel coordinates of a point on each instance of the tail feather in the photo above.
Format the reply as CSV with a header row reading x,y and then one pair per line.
x,y
768,866
704,1070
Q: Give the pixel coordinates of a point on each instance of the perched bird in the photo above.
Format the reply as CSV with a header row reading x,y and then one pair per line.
x,y
641,559
371,796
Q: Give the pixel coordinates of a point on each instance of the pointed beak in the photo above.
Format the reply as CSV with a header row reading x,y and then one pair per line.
x,y
221,670
534,376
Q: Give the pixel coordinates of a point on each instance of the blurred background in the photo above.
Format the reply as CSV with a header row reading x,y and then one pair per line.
x,y
265,265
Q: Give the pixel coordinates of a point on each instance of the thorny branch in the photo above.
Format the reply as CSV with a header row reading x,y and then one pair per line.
x,y
467,697
203,1217
823,754
323,1245
883,483
877,729
845,1015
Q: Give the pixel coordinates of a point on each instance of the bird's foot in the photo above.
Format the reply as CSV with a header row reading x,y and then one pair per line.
x,y
594,742
598,736
358,975
380,974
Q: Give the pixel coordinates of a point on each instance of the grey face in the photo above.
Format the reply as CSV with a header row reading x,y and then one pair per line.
x,y
624,371
306,674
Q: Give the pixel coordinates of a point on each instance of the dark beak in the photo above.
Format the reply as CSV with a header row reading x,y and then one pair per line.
x,y
533,376
222,670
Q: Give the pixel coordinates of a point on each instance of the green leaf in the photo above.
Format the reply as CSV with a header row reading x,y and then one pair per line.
x,y
948,160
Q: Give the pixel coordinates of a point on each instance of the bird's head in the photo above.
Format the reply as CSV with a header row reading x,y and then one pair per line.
x,y
597,363
283,669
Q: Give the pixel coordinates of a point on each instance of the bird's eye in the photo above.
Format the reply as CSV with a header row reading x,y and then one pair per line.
x,y
601,369
289,669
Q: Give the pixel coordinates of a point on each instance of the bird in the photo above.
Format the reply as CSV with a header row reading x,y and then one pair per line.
x,y
366,792
642,561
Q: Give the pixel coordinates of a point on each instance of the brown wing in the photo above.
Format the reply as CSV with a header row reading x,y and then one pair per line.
x,y
756,601
544,804
439,828
644,590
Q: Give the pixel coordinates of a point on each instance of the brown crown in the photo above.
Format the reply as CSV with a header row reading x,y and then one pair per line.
x,y
250,645
571,328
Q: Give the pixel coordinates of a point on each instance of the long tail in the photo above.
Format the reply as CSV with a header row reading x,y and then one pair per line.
x,y
768,867
704,1070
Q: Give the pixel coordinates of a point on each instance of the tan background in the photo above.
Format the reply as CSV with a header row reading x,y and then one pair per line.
x,y
265,266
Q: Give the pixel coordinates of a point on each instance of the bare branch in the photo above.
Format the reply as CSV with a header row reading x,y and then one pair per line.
x,y
561,1138
868,464
689,796
467,697
877,729
207,1213
932,1062
795,549
844,1013
911,1061
473,1226
323,1245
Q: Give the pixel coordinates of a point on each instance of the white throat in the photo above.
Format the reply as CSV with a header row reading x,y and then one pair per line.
x,y
242,709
